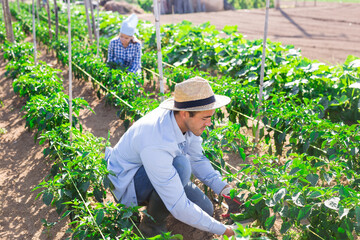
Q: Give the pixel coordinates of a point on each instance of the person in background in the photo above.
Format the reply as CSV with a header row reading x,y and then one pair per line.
x,y
125,50
153,161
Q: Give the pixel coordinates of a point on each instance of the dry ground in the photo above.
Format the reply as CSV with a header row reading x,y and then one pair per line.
x,y
328,32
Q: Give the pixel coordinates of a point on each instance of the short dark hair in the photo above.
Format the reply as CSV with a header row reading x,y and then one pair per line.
x,y
191,113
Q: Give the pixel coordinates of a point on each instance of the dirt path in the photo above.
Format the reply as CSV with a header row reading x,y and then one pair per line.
x,y
328,32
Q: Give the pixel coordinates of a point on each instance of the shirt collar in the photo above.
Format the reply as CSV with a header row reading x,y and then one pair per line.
x,y
179,136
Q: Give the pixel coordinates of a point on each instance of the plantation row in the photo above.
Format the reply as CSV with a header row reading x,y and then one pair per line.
x,y
319,182
78,178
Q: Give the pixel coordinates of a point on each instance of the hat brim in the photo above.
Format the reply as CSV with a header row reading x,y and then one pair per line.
x,y
220,101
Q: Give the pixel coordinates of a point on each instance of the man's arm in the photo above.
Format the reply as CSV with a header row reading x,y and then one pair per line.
x,y
167,183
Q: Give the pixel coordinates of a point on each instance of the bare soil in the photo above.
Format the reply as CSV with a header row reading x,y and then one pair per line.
x,y
327,32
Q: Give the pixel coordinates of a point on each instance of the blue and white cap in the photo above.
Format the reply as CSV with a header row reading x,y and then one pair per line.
x,y
128,26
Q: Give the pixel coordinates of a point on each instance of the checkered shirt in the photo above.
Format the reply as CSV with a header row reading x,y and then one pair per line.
x,y
129,57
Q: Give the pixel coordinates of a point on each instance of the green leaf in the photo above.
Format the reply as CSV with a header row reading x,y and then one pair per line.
x,y
100,216
47,198
344,192
298,199
98,195
357,214
315,194
49,115
312,178
270,222
328,177
304,212
306,146
242,153
285,226
106,182
343,99
257,198
284,211
279,195
59,206
319,164
84,186
54,170
313,136
229,29
294,170
282,137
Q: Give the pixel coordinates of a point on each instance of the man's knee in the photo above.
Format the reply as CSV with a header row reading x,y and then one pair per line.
x,y
183,167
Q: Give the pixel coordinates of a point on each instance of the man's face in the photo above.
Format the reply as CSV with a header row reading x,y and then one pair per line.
x,y
197,123
125,39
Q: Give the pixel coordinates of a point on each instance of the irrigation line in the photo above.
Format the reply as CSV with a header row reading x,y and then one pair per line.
x,y
82,199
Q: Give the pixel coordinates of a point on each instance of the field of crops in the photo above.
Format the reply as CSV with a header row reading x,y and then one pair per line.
x,y
300,182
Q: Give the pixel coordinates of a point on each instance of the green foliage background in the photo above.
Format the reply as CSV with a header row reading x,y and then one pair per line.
x,y
247,4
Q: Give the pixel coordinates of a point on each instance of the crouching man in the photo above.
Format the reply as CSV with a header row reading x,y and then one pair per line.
x,y
153,161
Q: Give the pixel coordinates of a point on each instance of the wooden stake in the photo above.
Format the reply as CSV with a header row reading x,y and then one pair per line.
x,y
88,20
70,67
97,29
56,20
34,33
8,24
49,18
158,41
262,72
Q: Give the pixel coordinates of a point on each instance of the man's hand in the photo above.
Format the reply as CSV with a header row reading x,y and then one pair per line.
x,y
229,232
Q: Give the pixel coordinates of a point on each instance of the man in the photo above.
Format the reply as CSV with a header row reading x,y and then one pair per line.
x,y
154,159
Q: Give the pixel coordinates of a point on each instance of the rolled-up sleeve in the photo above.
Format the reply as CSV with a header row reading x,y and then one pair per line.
x,y
166,181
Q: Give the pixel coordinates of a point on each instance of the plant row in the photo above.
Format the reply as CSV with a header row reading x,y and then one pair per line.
x,y
77,183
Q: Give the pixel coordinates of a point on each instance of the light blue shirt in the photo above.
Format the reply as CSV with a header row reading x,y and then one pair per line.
x,y
154,141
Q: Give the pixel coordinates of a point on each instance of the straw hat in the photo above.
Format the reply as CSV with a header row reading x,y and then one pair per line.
x,y
194,94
